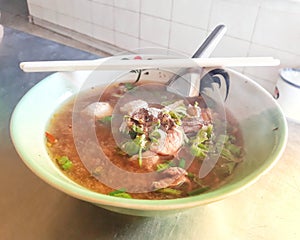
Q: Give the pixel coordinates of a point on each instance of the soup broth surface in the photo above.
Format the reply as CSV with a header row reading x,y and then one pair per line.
x,y
158,139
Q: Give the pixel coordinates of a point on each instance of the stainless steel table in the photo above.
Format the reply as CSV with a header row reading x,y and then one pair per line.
x,y
31,209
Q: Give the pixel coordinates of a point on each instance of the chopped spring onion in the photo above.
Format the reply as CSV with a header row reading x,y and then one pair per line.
x,y
228,149
64,162
141,142
140,156
191,175
120,193
182,163
105,120
170,191
162,166
137,129
198,191
130,148
175,117
129,86
229,167
200,144
199,150
154,136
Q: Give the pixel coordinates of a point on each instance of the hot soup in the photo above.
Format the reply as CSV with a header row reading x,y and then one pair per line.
x,y
159,138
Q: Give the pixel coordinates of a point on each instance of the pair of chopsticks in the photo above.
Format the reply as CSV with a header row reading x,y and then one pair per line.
x,y
111,64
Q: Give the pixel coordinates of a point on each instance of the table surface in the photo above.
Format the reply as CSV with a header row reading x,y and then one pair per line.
x,y
31,209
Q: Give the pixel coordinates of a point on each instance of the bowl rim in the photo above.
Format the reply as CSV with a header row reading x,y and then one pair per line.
x,y
82,193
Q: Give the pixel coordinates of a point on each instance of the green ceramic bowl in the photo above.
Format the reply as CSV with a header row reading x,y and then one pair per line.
x,y
263,125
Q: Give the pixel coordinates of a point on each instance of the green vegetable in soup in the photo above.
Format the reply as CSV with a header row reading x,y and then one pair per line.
x,y
182,163
105,120
171,191
229,150
169,137
162,166
155,136
64,162
200,143
129,86
120,193
198,191
130,148
141,141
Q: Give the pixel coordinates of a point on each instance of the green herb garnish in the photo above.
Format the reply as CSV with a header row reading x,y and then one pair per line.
x,y
105,120
129,86
140,158
182,163
170,191
120,193
155,136
200,144
191,175
175,117
130,148
180,111
198,191
177,111
141,141
64,162
162,166
228,150
229,167
199,150
137,129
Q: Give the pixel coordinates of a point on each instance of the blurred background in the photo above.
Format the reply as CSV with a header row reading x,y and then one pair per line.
x,y
255,28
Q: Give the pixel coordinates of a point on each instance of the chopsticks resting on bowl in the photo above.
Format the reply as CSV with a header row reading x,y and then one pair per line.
x,y
115,64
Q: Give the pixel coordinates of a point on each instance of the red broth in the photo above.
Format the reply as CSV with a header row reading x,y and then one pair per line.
x,y
188,140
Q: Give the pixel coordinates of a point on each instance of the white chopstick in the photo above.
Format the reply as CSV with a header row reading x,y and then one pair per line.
x,y
111,64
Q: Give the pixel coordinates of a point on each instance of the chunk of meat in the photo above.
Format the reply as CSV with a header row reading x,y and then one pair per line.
x,y
98,110
172,177
166,121
199,100
170,143
141,118
196,119
192,125
149,161
206,115
194,111
133,106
